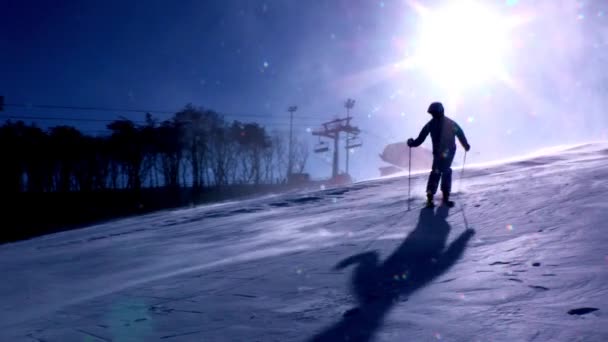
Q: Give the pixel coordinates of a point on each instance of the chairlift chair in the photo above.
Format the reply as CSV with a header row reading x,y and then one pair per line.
x,y
354,142
321,147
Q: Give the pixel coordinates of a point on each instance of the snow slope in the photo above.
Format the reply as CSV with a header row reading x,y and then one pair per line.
x,y
338,264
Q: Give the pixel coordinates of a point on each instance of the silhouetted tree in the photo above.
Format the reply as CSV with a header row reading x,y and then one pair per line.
x,y
252,140
128,150
148,136
222,151
100,162
66,145
12,149
170,152
195,147
195,132
300,155
280,154
86,166
36,159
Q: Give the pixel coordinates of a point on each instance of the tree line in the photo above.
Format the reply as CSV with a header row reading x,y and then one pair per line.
x,y
195,148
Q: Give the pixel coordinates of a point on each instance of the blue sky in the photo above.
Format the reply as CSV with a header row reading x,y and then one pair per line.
x,y
259,57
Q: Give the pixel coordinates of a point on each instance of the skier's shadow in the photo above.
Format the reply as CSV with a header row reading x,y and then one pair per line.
x,y
421,258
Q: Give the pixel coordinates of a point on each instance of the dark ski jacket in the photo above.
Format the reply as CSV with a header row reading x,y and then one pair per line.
x,y
443,132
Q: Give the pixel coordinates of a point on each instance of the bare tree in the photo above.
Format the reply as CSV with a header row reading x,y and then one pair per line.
x,y
150,152
128,149
253,140
170,152
67,143
268,165
280,153
300,154
192,136
196,146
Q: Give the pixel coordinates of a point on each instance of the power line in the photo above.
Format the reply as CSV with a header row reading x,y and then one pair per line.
x,y
306,119
49,118
377,136
142,111
58,118
271,129
278,127
97,109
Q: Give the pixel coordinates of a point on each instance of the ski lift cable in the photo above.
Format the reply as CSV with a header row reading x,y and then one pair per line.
x,y
384,139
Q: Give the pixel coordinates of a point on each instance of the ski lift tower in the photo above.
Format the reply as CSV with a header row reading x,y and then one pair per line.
x,y
349,104
332,130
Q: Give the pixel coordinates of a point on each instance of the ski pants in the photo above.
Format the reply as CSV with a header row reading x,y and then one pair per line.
x,y
441,170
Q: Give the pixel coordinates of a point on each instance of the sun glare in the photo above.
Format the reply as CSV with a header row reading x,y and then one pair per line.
x,y
462,45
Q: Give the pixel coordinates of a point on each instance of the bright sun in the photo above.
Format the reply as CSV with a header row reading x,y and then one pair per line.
x,y
462,45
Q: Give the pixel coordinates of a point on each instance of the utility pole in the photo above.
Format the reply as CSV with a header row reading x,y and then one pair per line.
x,y
291,110
349,104
1,103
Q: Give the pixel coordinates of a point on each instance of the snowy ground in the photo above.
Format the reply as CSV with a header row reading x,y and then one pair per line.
x,y
340,264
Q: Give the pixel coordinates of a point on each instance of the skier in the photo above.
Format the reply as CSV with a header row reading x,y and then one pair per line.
x,y
443,131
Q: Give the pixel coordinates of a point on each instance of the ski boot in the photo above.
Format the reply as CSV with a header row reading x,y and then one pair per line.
x,y
429,201
446,200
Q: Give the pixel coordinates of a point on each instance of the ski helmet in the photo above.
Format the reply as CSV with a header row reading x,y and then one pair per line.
x,y
436,108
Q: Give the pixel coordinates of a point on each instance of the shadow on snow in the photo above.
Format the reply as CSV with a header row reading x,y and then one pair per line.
x,y
377,286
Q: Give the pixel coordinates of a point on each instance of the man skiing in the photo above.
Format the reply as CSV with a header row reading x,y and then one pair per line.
x,y
443,131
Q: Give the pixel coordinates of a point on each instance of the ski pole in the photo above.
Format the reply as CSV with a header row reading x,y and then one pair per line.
x,y
461,174
409,178
463,163
464,216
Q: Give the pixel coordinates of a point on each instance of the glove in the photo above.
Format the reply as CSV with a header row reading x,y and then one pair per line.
x,y
410,142
467,147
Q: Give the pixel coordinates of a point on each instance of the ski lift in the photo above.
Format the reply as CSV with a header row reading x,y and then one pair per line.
x,y
321,147
354,142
